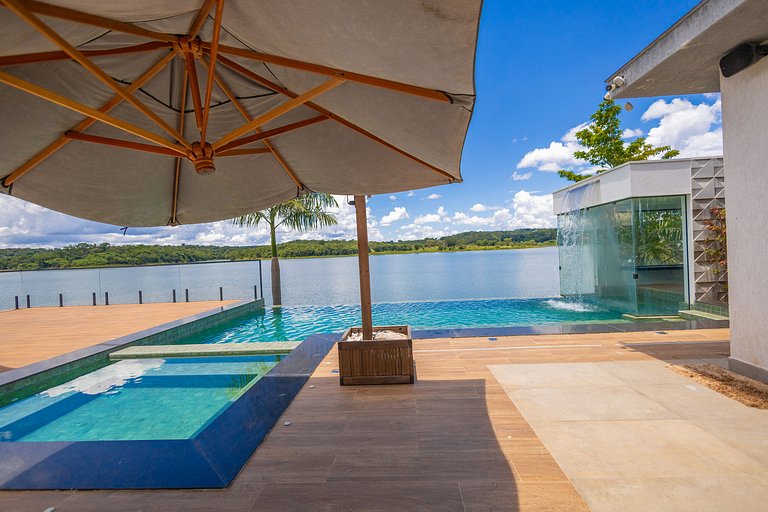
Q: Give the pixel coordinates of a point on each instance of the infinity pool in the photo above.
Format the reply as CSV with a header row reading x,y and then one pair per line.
x,y
135,400
297,322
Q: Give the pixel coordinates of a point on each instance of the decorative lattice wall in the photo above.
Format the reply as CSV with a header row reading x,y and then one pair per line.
x,y
707,192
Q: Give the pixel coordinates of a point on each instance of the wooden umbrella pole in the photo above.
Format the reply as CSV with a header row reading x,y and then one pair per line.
x,y
365,272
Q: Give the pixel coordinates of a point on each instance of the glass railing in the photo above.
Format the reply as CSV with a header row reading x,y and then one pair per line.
x,y
240,280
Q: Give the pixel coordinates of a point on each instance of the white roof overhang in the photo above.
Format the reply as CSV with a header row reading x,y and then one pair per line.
x,y
685,58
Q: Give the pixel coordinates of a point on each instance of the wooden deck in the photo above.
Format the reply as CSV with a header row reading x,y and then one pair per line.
x,y
31,335
454,441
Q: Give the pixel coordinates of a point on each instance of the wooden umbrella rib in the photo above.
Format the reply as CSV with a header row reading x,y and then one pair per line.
x,y
333,72
177,166
85,123
64,13
51,96
199,20
32,58
243,112
211,69
260,136
194,89
279,110
127,144
317,108
244,151
37,24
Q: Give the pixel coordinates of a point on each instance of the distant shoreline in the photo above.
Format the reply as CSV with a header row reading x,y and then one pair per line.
x,y
551,243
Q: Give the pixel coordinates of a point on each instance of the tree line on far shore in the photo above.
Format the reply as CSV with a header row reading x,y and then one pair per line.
x,y
105,255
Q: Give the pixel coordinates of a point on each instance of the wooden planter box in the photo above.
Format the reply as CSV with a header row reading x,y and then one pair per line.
x,y
376,362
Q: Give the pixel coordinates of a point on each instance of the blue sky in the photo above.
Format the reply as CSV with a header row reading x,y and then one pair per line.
x,y
539,73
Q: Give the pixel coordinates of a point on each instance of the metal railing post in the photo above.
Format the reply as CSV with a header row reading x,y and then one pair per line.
x,y
17,301
174,295
29,304
94,298
61,300
261,282
186,294
141,298
221,293
106,298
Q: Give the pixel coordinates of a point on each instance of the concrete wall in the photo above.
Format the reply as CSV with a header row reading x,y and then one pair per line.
x,y
745,130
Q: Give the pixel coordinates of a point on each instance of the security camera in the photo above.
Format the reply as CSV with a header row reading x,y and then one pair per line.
x,y
618,81
607,96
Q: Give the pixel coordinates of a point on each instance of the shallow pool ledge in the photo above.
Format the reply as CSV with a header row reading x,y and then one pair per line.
x,y
210,459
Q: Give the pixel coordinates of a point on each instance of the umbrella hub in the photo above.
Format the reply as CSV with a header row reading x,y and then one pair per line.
x,y
184,45
202,158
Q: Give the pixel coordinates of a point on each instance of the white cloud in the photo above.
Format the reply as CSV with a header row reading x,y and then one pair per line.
x,y
629,133
692,129
531,211
516,176
393,198
432,218
29,225
556,156
527,211
399,213
479,207
410,194
434,196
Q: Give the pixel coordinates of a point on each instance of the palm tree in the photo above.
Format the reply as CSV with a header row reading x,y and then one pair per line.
x,y
301,214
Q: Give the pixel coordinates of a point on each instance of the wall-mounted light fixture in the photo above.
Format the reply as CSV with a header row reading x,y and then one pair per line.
x,y
614,84
741,57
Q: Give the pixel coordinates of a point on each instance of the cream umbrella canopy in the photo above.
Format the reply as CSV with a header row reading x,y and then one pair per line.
x,y
149,113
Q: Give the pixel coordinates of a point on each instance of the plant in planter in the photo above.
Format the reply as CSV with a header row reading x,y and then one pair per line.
x,y
386,359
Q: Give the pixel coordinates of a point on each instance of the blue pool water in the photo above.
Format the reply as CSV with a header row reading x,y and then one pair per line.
x,y
134,400
298,322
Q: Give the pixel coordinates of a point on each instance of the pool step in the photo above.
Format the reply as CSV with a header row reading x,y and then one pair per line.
x,y
700,315
217,349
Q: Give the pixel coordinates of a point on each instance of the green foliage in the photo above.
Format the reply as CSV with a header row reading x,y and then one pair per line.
x,y
87,255
717,250
659,237
605,146
301,214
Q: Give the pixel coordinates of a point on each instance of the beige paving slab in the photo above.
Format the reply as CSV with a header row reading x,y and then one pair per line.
x,y
722,493
623,452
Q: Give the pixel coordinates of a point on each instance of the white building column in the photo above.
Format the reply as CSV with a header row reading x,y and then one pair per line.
x,y
745,134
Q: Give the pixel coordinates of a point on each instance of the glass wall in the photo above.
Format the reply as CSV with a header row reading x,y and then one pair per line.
x,y
628,256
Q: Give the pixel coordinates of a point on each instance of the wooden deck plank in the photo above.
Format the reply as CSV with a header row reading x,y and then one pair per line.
x,y
217,349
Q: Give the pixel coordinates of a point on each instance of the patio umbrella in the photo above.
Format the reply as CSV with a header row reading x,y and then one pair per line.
x,y
148,113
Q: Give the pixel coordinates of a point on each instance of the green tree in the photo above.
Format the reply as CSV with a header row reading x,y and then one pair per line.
x,y
302,214
605,146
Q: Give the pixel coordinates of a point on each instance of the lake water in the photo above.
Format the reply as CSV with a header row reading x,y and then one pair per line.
x,y
508,274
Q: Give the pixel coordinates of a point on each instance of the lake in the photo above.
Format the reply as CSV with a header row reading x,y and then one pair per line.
x,y
503,274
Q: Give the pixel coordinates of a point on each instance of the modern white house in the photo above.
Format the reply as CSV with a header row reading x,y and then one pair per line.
x,y
635,238
719,47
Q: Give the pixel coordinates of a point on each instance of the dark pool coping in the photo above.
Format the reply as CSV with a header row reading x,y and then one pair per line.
x,y
211,459
19,378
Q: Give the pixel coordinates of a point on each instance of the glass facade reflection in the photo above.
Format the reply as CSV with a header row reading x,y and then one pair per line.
x,y
628,256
